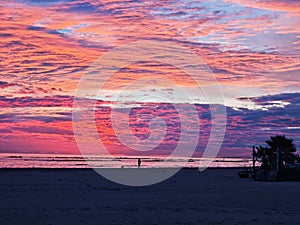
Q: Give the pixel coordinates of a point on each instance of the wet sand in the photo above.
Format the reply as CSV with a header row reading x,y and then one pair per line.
x,y
81,196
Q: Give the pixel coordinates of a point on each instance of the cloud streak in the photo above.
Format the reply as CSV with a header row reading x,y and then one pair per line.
x,y
244,127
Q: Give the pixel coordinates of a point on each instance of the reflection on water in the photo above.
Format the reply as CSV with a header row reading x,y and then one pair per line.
x,y
77,161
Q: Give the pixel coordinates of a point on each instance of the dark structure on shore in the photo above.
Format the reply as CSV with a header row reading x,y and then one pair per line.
x,y
278,160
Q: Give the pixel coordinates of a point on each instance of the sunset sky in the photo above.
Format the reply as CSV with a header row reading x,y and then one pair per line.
x,y
251,47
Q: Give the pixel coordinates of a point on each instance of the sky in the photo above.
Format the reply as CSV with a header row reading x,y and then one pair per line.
x,y
249,48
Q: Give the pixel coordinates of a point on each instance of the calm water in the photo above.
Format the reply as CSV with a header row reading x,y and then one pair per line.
x,y
77,161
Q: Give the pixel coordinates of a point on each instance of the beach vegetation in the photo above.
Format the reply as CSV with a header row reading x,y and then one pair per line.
x,y
267,155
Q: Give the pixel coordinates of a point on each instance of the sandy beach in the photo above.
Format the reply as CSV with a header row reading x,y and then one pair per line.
x,y
81,196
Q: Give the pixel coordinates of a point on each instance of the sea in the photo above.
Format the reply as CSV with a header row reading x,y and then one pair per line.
x,y
11,160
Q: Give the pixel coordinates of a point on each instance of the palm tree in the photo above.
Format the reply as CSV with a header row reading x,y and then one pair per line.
x,y
265,156
286,149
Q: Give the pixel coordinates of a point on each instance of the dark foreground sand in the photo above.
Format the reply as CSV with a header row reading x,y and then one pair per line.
x,y
80,196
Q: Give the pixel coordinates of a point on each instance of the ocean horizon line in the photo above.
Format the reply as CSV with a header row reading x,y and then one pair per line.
x,y
15,160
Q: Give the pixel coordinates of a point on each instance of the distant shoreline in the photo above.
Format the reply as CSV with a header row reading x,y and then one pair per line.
x,y
79,161
77,169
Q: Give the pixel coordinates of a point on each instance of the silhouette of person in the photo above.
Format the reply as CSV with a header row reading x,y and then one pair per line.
x,y
139,162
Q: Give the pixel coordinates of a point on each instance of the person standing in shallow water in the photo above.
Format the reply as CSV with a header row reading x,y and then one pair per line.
x,y
139,162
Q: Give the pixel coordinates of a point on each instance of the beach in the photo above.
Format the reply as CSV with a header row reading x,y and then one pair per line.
x,y
81,196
